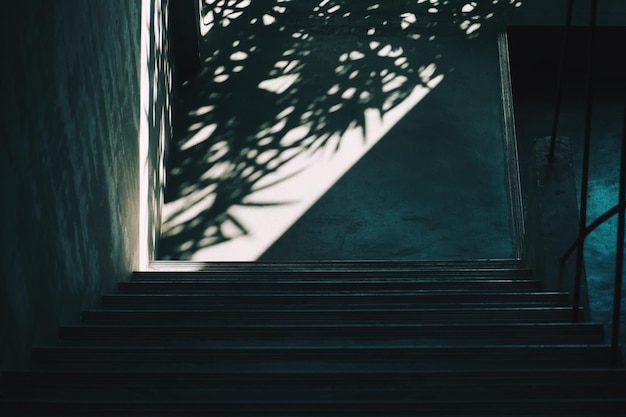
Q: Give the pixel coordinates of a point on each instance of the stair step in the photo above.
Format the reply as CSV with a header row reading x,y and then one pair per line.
x,y
324,334
325,340
337,358
328,316
303,285
407,408
346,299
329,270
309,386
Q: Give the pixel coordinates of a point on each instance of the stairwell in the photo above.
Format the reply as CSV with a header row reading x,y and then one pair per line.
x,y
325,339
304,339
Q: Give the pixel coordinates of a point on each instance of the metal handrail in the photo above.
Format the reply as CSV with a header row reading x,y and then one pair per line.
x,y
593,226
559,89
619,256
584,185
620,208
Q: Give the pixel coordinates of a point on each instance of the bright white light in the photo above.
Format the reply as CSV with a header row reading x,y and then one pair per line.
x,y
296,134
239,56
390,51
469,7
221,78
268,19
144,129
427,72
334,9
356,55
201,110
185,209
349,93
199,137
395,83
280,84
313,176
473,28
286,112
407,20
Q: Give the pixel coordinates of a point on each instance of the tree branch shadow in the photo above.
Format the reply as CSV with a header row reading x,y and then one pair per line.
x,y
285,80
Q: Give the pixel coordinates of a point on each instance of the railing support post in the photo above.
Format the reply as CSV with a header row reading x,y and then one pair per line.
x,y
619,255
559,82
584,186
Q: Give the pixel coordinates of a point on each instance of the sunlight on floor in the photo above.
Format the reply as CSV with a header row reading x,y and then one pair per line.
x,y
239,189
315,176
144,165
154,123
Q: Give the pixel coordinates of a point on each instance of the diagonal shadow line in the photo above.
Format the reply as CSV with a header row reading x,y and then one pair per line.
x,y
245,116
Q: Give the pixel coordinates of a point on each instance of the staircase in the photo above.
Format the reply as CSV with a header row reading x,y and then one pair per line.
x,y
324,339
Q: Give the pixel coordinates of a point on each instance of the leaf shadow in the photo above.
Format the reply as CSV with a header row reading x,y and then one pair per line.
x,y
284,80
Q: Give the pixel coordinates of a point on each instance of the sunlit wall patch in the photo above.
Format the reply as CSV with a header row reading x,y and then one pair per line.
x,y
154,124
287,111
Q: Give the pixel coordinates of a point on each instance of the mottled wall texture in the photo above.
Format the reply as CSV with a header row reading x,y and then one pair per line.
x,y
69,122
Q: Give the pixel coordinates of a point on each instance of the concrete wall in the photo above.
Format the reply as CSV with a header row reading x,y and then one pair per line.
x,y
552,12
157,97
69,123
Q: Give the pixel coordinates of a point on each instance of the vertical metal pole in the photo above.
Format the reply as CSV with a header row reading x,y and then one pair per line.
x,y
584,186
559,82
619,255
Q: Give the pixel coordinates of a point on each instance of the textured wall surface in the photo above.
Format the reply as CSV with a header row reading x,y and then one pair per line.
x,y
542,12
158,92
68,162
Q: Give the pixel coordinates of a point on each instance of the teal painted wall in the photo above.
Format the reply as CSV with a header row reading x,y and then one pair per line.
x,y
68,162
